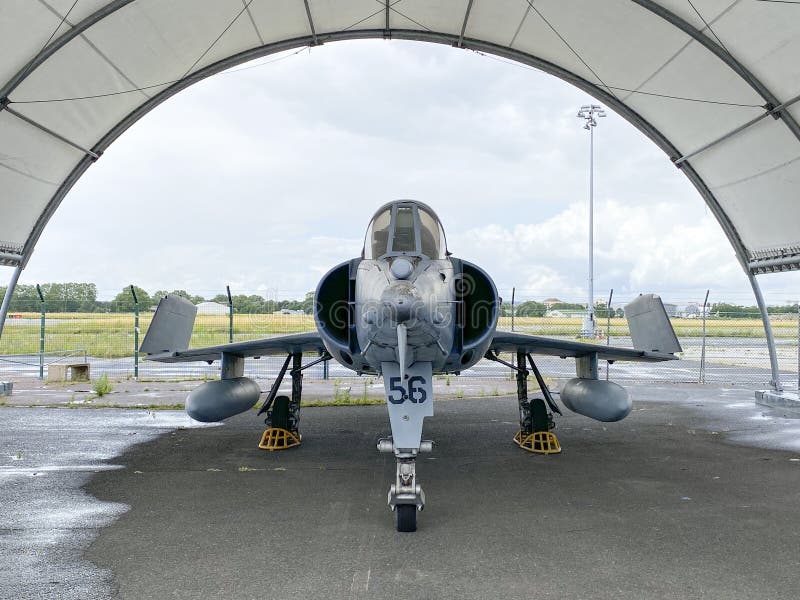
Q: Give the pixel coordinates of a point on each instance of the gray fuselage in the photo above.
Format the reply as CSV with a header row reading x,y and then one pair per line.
x,y
406,299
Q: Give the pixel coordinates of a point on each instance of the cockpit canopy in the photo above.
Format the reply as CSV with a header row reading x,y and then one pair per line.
x,y
405,228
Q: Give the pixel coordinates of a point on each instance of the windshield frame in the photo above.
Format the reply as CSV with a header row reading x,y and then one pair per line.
x,y
416,207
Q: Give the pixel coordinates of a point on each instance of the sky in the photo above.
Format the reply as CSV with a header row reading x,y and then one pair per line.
x,y
266,176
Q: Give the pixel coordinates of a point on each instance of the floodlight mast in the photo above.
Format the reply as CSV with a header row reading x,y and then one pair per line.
x,y
589,113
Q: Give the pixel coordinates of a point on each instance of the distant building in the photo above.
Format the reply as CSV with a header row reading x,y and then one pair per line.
x,y
693,310
672,309
211,308
551,301
565,313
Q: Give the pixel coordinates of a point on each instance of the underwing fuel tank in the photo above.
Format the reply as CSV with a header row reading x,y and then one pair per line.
x,y
218,400
599,400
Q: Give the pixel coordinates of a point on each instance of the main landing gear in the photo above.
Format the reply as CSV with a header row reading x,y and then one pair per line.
x,y
536,415
283,412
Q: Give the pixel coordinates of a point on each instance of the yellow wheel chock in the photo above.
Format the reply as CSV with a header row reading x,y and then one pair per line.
x,y
276,438
540,442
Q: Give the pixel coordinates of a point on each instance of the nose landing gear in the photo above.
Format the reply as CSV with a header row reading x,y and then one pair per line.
x,y
406,496
409,397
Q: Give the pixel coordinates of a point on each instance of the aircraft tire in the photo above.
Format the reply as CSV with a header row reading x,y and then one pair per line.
x,y
406,518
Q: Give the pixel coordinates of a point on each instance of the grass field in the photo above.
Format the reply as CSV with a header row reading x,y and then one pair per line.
x,y
751,328
112,335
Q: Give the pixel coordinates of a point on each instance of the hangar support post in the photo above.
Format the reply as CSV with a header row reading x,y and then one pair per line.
x,y
7,298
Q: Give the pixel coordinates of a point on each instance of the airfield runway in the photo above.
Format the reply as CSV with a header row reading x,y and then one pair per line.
x,y
695,495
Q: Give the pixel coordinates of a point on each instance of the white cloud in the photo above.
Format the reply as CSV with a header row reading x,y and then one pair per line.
x,y
638,248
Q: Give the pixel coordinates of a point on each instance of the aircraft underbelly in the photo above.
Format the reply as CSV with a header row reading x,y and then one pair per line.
x,y
409,401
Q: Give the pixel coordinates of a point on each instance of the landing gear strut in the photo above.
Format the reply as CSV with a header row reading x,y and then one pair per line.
x,y
406,496
535,420
283,412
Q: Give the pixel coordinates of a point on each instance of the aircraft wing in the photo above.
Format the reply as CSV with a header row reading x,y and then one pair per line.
x,y
277,345
505,341
653,337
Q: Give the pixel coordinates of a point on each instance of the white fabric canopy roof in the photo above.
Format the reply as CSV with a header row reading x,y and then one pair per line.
x,y
714,83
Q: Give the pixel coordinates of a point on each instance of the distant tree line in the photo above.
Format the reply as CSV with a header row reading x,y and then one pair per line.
x,y
531,308
721,310
724,310
82,297
63,297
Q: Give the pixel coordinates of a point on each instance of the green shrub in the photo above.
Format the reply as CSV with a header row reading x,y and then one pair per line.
x,y
102,386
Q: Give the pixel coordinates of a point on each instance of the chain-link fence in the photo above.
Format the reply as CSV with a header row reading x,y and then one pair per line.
x,y
727,350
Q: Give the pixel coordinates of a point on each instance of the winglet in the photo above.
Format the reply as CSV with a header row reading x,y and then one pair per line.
x,y
171,328
650,327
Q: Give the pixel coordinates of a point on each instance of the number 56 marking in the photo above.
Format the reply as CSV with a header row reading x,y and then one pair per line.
x,y
416,393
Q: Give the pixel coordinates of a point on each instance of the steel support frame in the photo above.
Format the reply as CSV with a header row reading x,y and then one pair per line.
x,y
773,355
447,39
7,297
425,36
726,57
772,265
10,259
311,22
52,133
464,24
60,42
737,130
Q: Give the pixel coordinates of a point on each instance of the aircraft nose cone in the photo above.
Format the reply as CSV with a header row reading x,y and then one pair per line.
x,y
400,302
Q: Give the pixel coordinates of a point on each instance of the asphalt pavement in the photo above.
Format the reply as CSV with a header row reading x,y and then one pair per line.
x,y
695,495
673,502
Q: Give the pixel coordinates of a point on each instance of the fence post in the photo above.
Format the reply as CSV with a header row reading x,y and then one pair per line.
x,y
703,348
135,333
41,332
513,293
608,324
230,314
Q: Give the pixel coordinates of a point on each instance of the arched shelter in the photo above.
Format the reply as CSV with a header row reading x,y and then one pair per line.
x,y
714,83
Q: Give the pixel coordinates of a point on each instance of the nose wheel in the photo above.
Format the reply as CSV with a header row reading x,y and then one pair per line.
x,y
405,495
406,518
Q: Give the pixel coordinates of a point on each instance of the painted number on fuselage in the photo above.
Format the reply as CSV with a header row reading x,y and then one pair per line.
x,y
416,393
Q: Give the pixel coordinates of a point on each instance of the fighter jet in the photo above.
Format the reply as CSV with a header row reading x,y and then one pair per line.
x,y
407,310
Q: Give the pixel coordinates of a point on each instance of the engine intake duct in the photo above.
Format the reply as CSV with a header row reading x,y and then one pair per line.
x,y
218,400
599,400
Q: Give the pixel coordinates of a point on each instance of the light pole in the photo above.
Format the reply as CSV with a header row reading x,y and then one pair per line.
x,y
589,113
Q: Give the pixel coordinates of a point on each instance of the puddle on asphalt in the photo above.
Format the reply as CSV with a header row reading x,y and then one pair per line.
x,y
735,412
47,520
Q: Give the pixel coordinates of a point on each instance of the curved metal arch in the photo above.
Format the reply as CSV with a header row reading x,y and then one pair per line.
x,y
413,35
726,57
461,42
441,38
649,5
